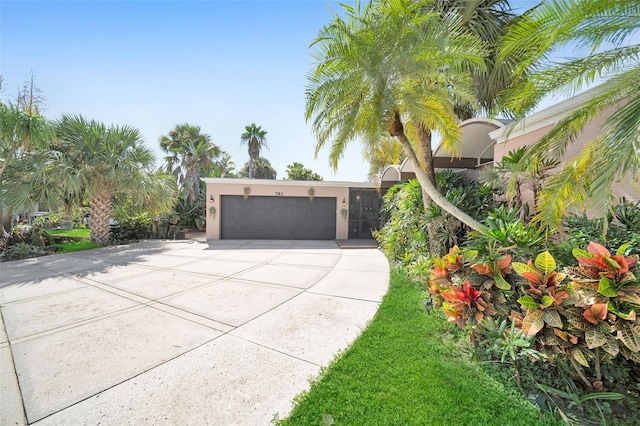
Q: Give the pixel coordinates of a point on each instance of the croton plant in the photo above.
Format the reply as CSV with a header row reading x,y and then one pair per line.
x,y
586,314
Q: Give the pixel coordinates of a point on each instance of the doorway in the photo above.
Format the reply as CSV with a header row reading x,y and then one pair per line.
x,y
364,209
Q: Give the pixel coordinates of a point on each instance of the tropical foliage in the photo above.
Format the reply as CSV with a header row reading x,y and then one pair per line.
x,y
190,155
262,169
601,35
256,139
411,234
584,315
391,69
297,171
92,161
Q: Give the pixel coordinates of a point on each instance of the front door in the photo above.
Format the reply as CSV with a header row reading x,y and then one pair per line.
x,y
364,207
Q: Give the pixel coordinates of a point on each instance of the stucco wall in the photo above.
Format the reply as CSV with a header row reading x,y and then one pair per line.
x,y
275,188
590,131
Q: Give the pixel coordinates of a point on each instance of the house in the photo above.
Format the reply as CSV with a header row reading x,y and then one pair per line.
x,y
290,210
270,209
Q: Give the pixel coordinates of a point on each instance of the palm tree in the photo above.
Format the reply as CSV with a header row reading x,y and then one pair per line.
x,y
389,69
20,125
489,21
386,152
191,155
225,167
256,139
602,31
96,161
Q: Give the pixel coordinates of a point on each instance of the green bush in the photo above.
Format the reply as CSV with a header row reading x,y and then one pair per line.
x,y
584,316
22,250
623,226
411,234
131,229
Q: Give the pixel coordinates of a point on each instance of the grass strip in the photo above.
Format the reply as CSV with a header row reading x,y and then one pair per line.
x,y
75,246
76,233
403,370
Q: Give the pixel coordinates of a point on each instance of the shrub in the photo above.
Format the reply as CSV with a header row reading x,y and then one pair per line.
x,y
584,315
612,231
411,234
22,250
572,313
131,229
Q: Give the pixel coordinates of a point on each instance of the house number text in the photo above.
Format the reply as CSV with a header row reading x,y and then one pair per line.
x,y
279,194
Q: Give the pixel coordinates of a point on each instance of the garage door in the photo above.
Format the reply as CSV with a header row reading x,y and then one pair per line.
x,y
278,218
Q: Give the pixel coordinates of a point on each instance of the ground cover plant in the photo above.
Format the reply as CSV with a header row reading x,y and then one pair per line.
x,y
406,368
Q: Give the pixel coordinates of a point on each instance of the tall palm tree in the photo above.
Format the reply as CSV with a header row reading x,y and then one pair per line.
x,y
256,139
190,155
388,69
600,33
489,21
95,161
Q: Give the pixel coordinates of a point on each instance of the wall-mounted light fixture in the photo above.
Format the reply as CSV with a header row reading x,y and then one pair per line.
x,y
211,200
344,202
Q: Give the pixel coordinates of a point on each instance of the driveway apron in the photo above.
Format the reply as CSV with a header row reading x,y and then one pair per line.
x,y
178,332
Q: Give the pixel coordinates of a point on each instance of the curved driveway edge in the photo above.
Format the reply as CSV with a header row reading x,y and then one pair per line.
x,y
182,332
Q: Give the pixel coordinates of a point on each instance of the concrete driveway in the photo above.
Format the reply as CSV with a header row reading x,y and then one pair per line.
x,y
179,332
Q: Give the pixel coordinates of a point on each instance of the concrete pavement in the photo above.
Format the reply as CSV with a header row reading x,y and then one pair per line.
x,y
178,332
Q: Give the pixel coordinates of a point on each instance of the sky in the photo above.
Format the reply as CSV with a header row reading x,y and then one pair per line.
x,y
220,65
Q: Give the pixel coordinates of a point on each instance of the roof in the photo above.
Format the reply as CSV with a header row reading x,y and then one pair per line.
x,y
284,182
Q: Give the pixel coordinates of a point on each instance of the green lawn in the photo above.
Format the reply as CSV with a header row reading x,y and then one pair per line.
x,y
405,369
77,233
75,246
71,246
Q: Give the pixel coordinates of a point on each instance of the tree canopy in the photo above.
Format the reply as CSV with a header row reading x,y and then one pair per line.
x,y
262,169
390,69
297,171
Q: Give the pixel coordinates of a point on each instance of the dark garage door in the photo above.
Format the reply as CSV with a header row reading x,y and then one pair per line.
x,y
278,218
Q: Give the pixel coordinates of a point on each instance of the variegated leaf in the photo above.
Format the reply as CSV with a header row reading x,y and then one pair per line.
x,y
578,253
623,248
577,320
559,277
628,337
594,338
528,302
630,297
520,268
577,354
545,263
606,287
552,317
633,356
547,301
611,347
533,322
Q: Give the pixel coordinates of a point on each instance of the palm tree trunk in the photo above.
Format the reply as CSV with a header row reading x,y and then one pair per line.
x,y
424,136
9,156
250,168
397,131
100,208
